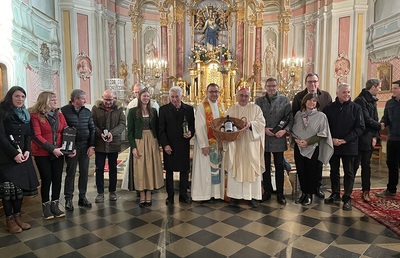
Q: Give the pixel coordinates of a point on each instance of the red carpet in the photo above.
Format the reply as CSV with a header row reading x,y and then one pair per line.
x,y
385,210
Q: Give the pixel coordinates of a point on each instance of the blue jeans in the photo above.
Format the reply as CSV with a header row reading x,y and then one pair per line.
x,y
82,158
100,162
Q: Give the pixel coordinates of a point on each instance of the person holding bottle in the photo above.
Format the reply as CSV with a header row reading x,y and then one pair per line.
x,y
17,173
142,136
109,121
48,125
279,119
175,143
244,157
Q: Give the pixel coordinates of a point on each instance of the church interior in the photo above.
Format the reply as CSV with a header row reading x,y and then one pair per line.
x,y
93,45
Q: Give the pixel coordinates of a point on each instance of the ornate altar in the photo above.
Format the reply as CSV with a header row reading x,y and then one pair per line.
x,y
211,56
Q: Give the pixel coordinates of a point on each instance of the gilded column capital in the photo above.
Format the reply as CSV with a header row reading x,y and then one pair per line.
x,y
136,20
284,19
179,15
240,14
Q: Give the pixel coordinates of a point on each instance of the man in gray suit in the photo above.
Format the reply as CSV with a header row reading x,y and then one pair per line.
x,y
279,120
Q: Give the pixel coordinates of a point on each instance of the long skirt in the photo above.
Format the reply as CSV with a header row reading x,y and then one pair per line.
x,y
147,169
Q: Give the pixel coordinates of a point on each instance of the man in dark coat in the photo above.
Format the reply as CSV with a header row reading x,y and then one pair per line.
x,y
346,124
367,141
391,120
79,117
110,122
324,98
176,144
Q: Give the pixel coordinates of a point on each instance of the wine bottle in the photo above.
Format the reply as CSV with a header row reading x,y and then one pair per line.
x,y
279,126
105,132
222,129
185,125
228,124
15,144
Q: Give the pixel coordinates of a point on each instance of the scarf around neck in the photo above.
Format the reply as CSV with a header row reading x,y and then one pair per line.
x,y
305,116
22,114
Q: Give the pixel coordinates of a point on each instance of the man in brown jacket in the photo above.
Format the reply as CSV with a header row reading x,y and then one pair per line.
x,y
109,120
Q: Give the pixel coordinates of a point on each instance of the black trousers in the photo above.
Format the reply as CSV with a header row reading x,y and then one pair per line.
x,y
183,183
307,170
82,158
100,161
348,168
364,158
392,162
279,176
51,176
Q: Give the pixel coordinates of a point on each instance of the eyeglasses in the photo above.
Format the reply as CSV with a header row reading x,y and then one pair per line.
x,y
213,91
310,82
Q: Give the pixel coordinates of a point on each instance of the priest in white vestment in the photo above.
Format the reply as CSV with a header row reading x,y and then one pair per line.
x,y
244,158
208,174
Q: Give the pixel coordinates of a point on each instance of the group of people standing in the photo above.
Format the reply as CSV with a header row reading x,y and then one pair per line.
x,y
321,132
38,132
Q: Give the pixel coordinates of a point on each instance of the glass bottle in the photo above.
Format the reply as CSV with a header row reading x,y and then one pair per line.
x,y
185,125
228,124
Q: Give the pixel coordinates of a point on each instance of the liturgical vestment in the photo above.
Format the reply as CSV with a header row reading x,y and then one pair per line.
x,y
244,158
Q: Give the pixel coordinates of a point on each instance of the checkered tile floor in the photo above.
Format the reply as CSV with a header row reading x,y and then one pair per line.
x,y
123,229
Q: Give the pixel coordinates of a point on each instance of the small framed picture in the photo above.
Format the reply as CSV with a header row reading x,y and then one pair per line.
x,y
385,75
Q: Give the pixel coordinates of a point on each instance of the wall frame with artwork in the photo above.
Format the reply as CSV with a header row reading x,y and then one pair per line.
x,y
385,75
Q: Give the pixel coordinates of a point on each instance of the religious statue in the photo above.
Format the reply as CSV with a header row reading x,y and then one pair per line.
x,y
270,54
123,73
211,22
150,50
210,30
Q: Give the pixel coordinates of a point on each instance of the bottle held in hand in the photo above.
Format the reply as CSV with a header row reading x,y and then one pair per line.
x,y
185,126
15,144
105,132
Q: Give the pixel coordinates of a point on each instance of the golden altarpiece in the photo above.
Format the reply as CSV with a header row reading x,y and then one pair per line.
x,y
211,56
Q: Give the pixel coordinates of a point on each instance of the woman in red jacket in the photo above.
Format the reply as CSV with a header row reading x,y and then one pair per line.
x,y
48,125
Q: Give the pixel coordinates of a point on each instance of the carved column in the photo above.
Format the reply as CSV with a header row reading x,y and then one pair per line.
x,y
180,57
283,27
257,66
240,40
164,49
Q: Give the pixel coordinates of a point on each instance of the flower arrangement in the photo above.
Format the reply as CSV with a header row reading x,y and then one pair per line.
x,y
201,53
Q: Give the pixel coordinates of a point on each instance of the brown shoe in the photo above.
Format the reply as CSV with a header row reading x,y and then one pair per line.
x,y
365,196
11,226
20,223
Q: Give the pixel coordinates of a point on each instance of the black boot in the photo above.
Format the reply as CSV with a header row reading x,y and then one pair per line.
x,y
69,206
46,211
55,209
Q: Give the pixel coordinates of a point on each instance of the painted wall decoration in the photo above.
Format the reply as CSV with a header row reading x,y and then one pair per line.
x,y
83,65
45,52
342,67
384,73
